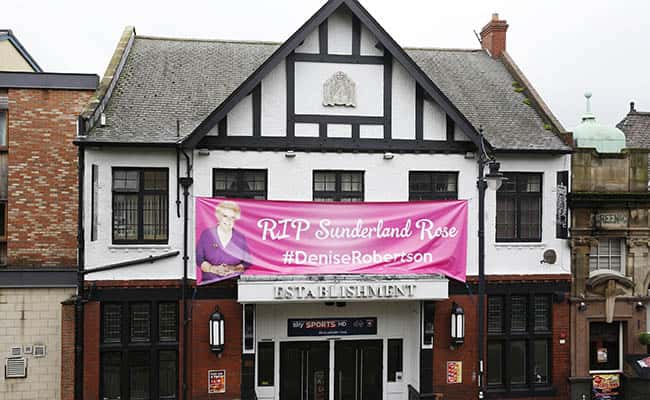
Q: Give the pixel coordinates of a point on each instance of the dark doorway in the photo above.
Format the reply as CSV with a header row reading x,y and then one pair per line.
x,y
358,370
304,370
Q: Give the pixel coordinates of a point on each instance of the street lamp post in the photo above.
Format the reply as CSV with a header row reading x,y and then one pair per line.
x,y
493,181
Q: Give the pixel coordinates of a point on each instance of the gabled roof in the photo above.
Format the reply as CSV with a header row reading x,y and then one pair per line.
x,y
7,34
167,80
389,44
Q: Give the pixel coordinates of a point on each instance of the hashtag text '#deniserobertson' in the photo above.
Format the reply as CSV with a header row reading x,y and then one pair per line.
x,y
300,257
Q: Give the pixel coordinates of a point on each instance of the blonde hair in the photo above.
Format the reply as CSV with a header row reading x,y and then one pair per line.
x,y
228,205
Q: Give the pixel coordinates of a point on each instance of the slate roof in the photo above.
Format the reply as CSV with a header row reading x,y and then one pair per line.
x,y
636,126
164,80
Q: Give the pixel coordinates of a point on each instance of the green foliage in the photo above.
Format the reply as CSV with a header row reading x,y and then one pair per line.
x,y
519,89
527,101
548,127
644,338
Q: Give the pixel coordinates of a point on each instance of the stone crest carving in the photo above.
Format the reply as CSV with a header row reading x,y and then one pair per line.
x,y
339,90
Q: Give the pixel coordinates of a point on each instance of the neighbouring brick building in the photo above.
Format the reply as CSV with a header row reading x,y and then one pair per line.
x,y
337,113
610,235
38,222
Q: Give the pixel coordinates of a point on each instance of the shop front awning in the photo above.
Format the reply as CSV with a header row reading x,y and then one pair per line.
x,y
340,288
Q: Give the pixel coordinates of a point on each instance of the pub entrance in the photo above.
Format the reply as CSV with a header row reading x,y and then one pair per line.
x,y
357,373
304,370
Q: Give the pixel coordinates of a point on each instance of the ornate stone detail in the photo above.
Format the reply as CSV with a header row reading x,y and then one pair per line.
x,y
339,90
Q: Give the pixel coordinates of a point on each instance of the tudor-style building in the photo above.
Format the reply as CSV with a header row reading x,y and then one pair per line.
x,y
338,112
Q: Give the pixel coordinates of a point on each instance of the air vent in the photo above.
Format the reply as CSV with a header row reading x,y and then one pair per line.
x,y
16,351
39,350
16,367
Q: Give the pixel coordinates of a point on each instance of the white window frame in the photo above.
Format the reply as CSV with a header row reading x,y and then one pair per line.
x,y
623,255
422,333
620,354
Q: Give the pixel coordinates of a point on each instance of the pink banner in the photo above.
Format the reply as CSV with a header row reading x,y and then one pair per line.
x,y
236,236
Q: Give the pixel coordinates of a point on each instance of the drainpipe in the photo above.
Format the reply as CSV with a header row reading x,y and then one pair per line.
x,y
185,182
79,300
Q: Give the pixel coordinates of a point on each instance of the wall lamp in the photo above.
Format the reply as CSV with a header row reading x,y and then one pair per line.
x,y
639,306
217,330
389,156
582,306
290,154
457,324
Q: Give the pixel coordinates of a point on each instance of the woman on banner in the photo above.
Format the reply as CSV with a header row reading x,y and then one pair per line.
x,y
221,251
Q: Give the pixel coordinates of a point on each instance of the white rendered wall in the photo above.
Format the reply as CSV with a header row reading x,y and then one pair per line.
x,y
524,258
102,251
310,45
274,102
368,42
369,80
291,179
240,118
403,104
339,33
394,320
434,121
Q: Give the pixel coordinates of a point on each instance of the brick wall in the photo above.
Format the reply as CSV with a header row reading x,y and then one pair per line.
x,y
203,360
467,353
28,317
67,350
91,350
42,209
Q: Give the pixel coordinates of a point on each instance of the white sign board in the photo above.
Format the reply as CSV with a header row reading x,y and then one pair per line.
x,y
302,291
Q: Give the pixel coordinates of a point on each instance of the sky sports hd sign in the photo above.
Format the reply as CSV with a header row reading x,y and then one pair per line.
x,y
332,326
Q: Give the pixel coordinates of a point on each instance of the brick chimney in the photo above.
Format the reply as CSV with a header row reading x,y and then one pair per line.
x,y
493,36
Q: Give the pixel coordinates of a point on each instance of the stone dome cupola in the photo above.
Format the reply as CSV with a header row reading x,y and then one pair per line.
x,y
591,134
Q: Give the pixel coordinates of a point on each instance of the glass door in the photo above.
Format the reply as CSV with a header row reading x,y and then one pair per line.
x,y
304,371
358,370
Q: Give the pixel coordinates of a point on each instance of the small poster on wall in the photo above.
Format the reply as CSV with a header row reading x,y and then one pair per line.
x,y
217,381
454,372
606,387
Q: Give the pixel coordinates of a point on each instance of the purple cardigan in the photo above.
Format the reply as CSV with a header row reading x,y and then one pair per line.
x,y
210,249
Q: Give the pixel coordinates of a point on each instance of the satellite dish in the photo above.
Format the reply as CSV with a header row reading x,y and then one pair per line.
x,y
550,257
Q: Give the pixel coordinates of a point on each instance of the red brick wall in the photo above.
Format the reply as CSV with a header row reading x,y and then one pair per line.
x,y
467,353
67,350
91,350
42,209
204,360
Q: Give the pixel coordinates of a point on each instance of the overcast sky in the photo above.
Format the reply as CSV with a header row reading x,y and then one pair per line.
x,y
564,47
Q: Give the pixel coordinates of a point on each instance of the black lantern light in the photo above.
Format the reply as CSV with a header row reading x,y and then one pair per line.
x,y
457,324
217,330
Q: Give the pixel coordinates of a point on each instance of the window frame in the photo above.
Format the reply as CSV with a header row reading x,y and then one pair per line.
x,y
433,195
623,256
337,194
239,174
125,347
94,198
518,195
621,349
140,193
529,337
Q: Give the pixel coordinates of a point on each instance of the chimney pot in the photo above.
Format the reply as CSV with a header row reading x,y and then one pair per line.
x,y
493,36
632,109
